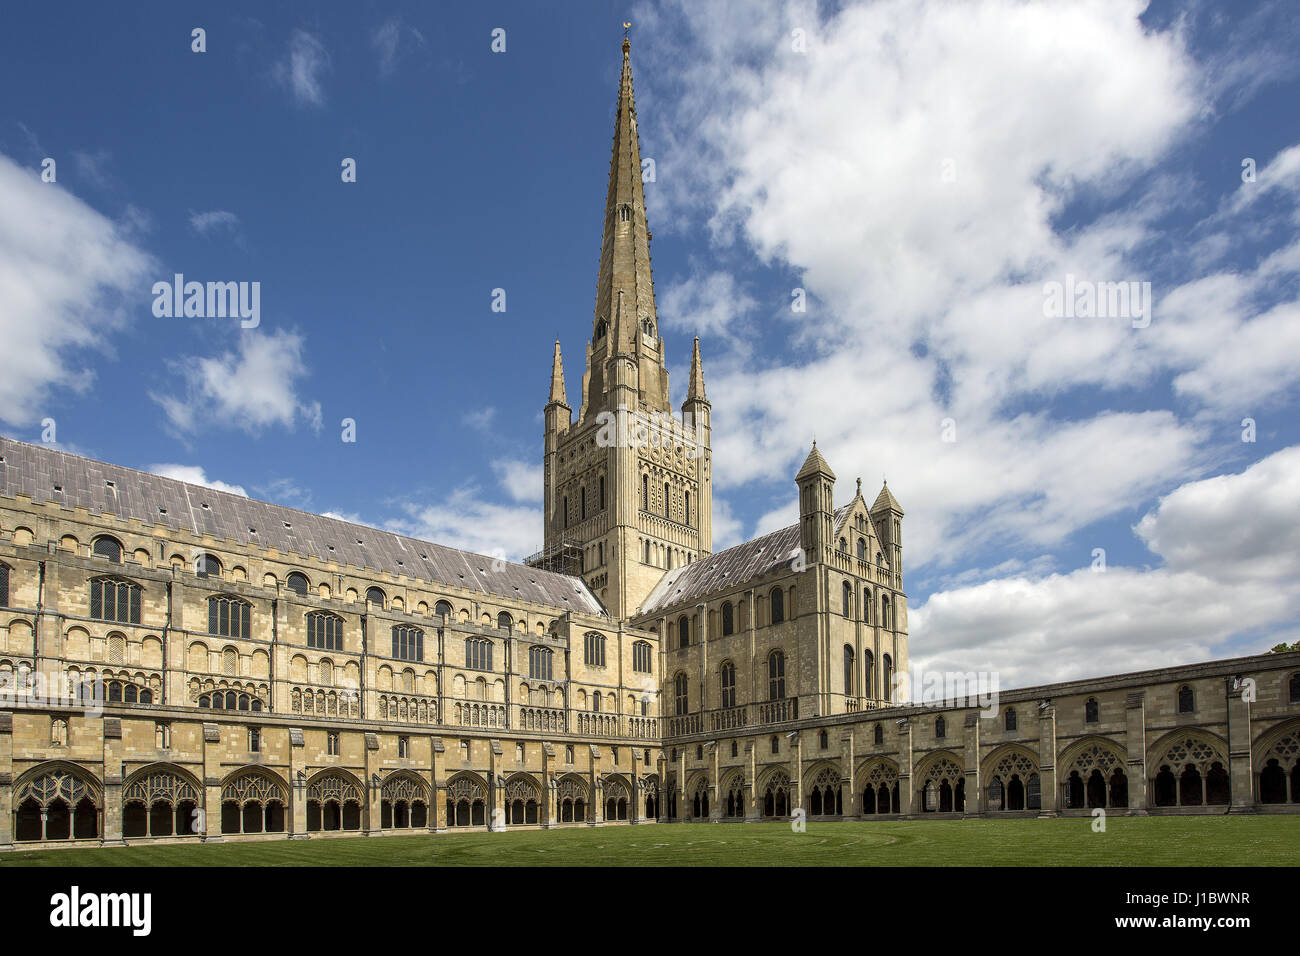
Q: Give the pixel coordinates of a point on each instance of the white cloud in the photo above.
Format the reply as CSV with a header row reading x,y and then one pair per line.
x,y
391,40
706,304
480,419
195,475
216,219
253,387
465,521
303,69
1231,548
521,480
68,279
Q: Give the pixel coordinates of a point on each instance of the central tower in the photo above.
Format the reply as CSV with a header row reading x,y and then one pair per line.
x,y
628,491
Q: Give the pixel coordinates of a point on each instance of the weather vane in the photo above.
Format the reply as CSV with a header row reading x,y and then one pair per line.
x,y
627,25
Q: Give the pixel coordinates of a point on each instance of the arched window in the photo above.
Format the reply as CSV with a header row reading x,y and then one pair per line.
x,y
478,654
646,558
297,583
228,700
442,608
866,605
862,550
684,631
776,744
887,677
594,649
504,621
408,643
823,740
375,596
728,684
206,565
885,620
848,670
565,502
106,547
325,631
844,545
777,601
940,728
600,330
112,599
1186,700
540,661
645,492
667,501
680,694
4,585
595,702
848,599
229,616
687,499
641,657
728,619
1090,711
624,212
582,503
878,735
776,675
868,673
1009,719
602,492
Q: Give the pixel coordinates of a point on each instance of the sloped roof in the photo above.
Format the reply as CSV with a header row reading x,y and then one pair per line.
x,y
35,471
813,464
886,499
730,568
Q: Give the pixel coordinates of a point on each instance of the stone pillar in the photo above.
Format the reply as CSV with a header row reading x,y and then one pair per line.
x,y
751,779
905,794
974,805
374,787
1135,736
6,781
597,816
296,818
1241,769
1048,790
716,808
680,788
437,815
796,772
111,835
635,810
848,775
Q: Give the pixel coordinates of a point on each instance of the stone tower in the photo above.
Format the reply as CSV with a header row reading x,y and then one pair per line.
x,y
628,485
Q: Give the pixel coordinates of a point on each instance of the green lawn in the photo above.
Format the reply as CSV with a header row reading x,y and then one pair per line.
x,y
1152,841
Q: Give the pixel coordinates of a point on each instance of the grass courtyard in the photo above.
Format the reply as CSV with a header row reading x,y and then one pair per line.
x,y
1128,841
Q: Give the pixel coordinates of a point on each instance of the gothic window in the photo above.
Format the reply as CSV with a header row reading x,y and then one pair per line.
x,y
228,700
680,693
776,744
728,684
878,735
375,596
848,670
646,558
688,507
58,732
866,605
595,702
540,662
442,608
568,754
735,749
868,675
325,631
777,600
684,631
600,330
884,611
254,740
59,805
844,546
602,492
624,212
1186,700
404,747
332,743
112,599
940,728
478,654
229,616
667,502
641,657
775,675
297,583
1090,711
862,550
408,643
848,599
230,662
162,735
728,619
594,649
887,677
1009,719
106,547
824,740
645,492
880,561
4,585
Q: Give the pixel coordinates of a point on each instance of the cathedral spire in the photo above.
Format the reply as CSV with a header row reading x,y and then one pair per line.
x,y
557,379
626,322
695,391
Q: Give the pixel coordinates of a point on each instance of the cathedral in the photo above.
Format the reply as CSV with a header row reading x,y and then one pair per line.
x,y
179,663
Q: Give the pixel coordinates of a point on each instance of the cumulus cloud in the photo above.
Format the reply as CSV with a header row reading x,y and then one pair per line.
x,y
195,475
464,520
521,480
68,279
706,304
302,71
1229,584
253,387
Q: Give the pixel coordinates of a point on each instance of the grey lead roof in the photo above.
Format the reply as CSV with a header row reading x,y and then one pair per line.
x,y
36,471
730,568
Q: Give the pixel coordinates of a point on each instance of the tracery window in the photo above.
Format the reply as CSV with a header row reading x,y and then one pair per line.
x,y
58,805
1090,711
776,675
112,599
777,601
160,803
728,674
252,802
680,694
848,670
641,657
684,631
540,662
1009,719
408,643
325,631
229,616
1186,700
594,649
847,594
728,619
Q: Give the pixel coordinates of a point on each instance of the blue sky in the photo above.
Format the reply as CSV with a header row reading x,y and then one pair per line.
x,y
920,170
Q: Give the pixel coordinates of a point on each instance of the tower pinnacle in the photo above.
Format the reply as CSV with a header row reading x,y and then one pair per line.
x,y
558,396
695,391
